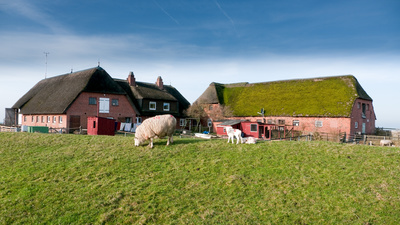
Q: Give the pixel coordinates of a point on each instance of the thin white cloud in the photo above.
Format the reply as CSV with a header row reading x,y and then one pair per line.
x,y
34,13
165,12
225,14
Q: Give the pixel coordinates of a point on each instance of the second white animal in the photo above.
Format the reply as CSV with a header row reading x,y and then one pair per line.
x,y
234,133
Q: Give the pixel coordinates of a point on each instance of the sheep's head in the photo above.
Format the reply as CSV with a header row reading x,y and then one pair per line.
x,y
137,141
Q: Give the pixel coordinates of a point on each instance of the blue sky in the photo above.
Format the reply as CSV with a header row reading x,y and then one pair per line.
x,y
193,43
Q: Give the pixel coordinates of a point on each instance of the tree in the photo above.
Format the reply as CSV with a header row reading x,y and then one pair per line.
x,y
196,111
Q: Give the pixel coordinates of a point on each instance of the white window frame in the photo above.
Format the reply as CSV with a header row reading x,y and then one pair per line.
x,y
152,103
319,123
48,119
166,106
356,125
138,119
296,123
182,122
54,119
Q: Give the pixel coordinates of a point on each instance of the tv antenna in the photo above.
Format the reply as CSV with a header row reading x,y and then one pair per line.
x,y
46,53
262,113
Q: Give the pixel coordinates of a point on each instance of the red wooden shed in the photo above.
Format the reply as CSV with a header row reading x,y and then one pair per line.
x,y
100,126
254,129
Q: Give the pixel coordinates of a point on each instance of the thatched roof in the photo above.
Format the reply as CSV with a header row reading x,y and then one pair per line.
x,y
54,95
150,91
326,96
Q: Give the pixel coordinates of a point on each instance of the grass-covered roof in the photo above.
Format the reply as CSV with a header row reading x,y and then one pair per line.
x,y
327,96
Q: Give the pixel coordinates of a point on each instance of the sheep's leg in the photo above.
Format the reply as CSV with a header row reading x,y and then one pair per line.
x,y
151,143
169,137
172,139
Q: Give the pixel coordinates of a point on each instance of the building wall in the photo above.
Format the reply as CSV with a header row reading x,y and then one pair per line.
x,y
52,121
308,124
363,113
82,108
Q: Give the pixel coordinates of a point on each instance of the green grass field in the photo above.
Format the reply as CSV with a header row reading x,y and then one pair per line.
x,y
74,179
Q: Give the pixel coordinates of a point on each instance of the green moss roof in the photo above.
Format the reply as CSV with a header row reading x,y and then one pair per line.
x,y
328,96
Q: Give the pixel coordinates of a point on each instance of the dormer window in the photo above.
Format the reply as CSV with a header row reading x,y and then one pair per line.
x,y
166,106
152,105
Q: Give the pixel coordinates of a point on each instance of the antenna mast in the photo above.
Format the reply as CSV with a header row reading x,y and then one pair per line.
x,y
46,53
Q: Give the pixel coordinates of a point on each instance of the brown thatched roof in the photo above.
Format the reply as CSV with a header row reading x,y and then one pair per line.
x,y
150,91
54,95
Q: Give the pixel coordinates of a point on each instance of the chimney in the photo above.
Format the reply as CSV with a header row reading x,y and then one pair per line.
x,y
160,83
131,79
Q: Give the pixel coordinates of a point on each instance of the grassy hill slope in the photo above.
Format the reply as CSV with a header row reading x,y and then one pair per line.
x,y
71,179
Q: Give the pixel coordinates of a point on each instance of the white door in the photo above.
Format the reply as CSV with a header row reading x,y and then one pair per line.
x,y
104,105
363,128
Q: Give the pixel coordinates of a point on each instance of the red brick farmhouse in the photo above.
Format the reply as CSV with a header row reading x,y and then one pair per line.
x,y
326,105
66,101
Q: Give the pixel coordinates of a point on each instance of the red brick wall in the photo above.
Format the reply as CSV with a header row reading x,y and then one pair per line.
x,y
368,118
82,108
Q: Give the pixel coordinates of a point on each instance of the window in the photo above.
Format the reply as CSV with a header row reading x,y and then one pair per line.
x,y
358,105
114,102
104,105
270,121
48,119
152,105
182,122
318,123
296,123
210,107
60,119
363,111
37,119
356,125
33,119
54,119
253,127
138,119
42,119
166,106
92,101
281,122
24,118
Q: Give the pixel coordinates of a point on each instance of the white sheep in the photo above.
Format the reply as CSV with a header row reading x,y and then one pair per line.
x,y
386,142
158,126
251,140
234,133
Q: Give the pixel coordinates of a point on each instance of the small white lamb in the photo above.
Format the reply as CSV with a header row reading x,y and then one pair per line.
x,y
158,126
251,140
234,133
386,142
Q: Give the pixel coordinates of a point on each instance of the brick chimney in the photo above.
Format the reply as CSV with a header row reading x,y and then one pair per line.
x,y
131,79
160,83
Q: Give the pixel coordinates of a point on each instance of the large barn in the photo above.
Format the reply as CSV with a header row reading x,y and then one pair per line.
x,y
66,101
327,104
